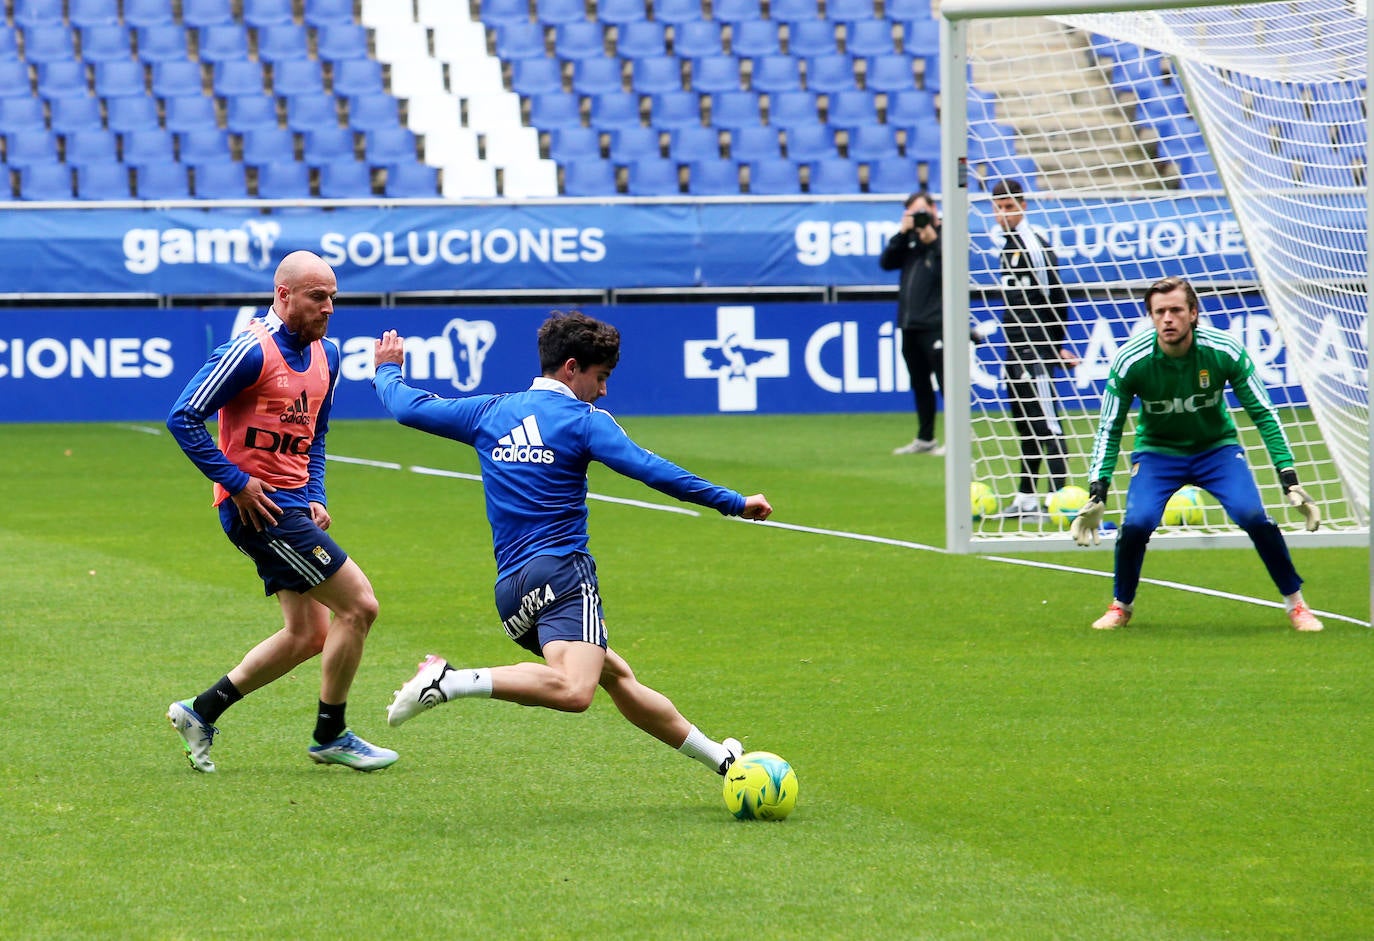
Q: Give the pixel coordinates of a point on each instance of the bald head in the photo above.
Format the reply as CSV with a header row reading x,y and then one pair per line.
x,y
298,265
304,294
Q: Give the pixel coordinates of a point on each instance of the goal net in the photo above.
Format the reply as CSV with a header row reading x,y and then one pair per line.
x,y
1224,144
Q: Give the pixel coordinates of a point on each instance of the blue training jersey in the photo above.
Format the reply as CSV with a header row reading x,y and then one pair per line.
x,y
535,447
233,367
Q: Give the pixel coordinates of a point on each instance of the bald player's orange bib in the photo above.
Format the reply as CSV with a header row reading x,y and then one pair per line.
x,y
268,428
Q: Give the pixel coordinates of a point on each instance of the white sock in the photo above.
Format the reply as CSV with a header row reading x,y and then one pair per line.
x,y
698,746
1292,601
1128,608
466,682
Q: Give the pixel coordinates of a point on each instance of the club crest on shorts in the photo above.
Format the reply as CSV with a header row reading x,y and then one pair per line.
x,y
1204,379
320,553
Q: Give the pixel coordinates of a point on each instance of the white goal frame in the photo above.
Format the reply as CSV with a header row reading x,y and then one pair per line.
x,y
960,530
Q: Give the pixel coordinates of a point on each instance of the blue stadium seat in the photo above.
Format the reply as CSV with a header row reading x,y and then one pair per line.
x,y
867,38
265,145
809,142
696,38
690,144
284,179
808,38
308,112
574,143
48,44
219,179
634,143
389,145
677,12
793,11
202,144
243,113
25,148
201,13
620,13
903,10
260,13
913,106
318,13
373,112
147,146
357,77
74,114
643,39
536,76
921,37
588,178
291,77
237,77
650,76
411,181
161,42
496,13
102,181
773,74
285,43
580,40
188,112
826,75
45,181
14,79
519,40
143,13
91,146
652,176
872,142
555,109
176,78
773,178
890,74
753,38
736,11
850,109
341,42
893,175
119,79
323,145
131,113
592,77
558,12
712,74
675,109
1013,168
791,108
922,140
222,42
749,144
834,176
86,13
345,179
735,109
62,80
713,178
105,43
22,114
849,11
615,109
162,182
38,13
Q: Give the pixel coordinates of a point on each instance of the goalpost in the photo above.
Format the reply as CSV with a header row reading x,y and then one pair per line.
x,y
1228,144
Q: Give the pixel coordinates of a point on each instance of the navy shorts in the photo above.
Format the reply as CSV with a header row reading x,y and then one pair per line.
x,y
552,598
295,554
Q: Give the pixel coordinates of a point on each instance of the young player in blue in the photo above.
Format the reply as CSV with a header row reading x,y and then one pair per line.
x,y
271,388
1185,435
535,447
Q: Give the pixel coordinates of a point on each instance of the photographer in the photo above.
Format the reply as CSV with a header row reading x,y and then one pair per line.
x,y
915,250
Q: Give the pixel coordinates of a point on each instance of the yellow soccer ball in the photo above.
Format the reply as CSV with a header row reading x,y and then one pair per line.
x,y
982,498
1065,504
1185,508
760,786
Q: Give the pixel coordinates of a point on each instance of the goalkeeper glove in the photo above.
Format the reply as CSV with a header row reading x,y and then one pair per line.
x,y
1298,497
1088,522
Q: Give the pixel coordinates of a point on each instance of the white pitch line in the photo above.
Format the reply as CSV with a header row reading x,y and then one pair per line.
x,y
385,465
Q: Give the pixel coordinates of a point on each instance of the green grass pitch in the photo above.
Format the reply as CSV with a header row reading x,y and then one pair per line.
x,y
975,762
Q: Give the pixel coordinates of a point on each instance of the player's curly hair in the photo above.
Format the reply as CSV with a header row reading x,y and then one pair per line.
x,y
574,335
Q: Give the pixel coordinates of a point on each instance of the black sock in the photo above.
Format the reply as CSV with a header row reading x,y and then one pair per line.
x,y
210,705
329,723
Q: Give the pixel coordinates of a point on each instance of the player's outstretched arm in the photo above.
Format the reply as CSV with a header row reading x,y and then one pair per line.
x,y
756,507
1298,497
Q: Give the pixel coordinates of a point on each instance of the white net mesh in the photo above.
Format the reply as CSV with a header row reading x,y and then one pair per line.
x,y
1223,144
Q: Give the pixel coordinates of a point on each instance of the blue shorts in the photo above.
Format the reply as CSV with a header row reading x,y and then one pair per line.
x,y
1223,472
552,598
295,554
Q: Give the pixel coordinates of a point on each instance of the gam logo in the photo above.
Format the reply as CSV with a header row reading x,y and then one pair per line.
x,y
251,244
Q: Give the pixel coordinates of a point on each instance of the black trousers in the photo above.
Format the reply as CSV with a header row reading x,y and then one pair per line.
x,y
924,352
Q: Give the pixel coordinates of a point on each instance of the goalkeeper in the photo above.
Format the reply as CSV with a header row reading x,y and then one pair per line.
x,y
1184,435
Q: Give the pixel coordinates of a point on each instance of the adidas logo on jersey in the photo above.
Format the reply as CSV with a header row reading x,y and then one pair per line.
x,y
296,412
522,445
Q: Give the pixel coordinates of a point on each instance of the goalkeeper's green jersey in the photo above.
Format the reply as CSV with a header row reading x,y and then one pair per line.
x,y
1182,400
